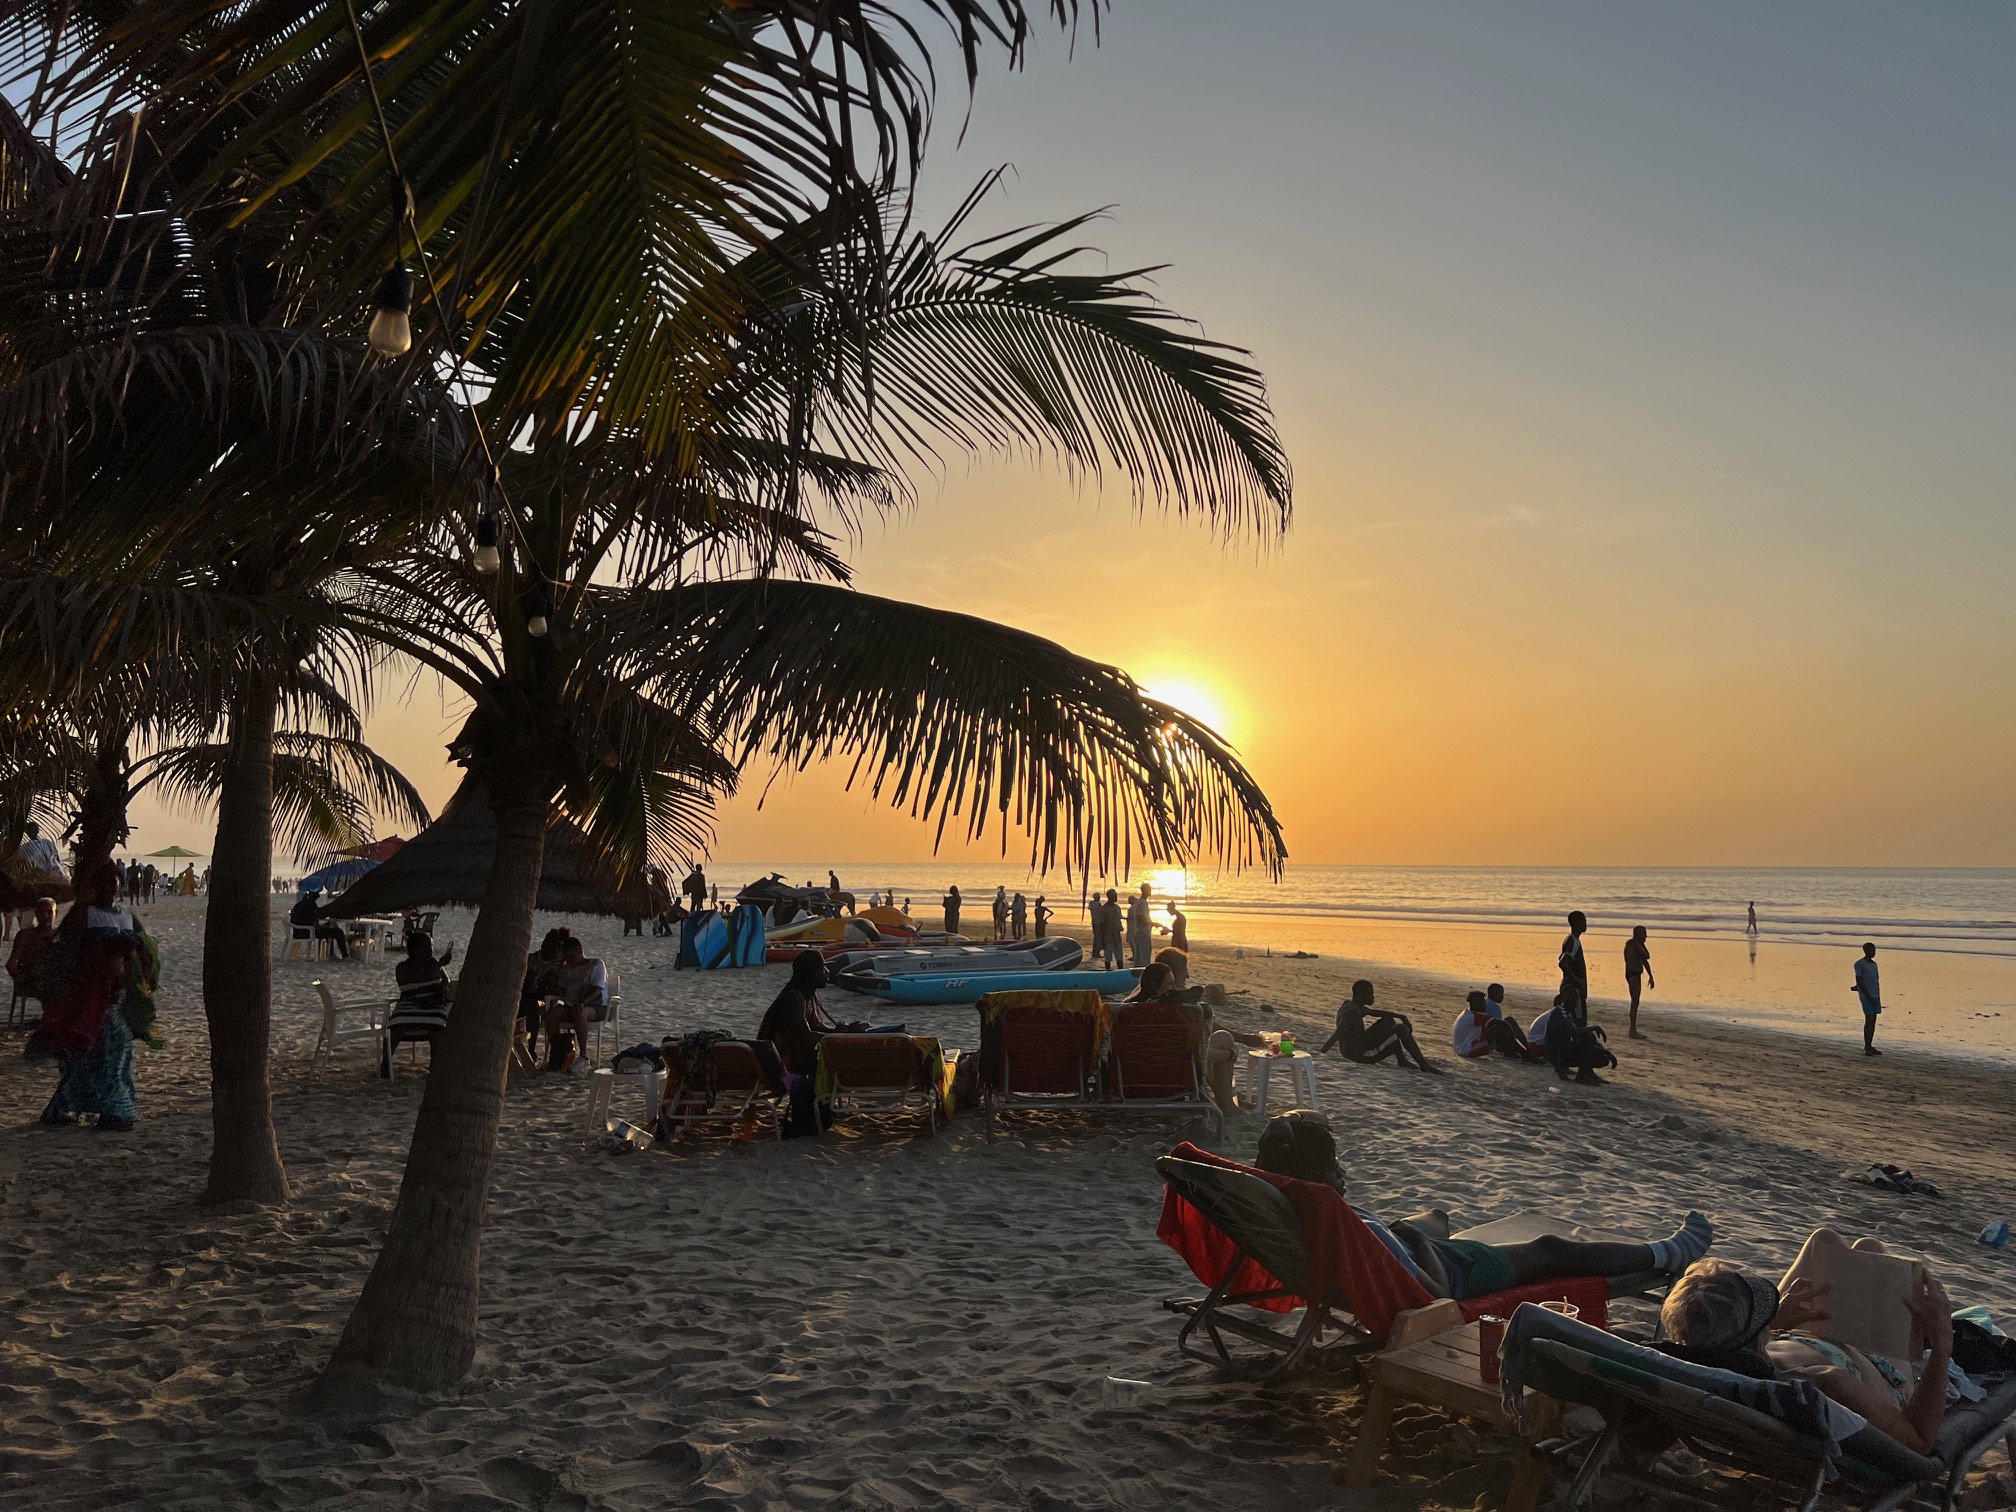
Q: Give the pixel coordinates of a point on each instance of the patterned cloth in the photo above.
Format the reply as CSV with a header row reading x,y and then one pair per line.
x,y
101,986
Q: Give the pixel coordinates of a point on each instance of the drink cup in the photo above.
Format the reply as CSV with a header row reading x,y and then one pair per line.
x,y
1118,1391
1566,1309
1490,1340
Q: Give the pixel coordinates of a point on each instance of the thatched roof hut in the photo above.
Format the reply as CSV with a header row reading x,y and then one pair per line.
x,y
449,862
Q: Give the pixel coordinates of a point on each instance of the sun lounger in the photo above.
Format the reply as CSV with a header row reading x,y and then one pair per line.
x,y
1244,1233
1152,1063
744,1087
887,1073
1780,1433
1038,1050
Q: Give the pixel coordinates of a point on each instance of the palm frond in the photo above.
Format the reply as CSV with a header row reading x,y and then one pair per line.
x,y
954,718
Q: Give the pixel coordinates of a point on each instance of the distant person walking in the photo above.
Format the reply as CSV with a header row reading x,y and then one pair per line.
x,y
1018,917
1753,918
1870,990
1637,963
1141,928
952,904
1179,928
1575,969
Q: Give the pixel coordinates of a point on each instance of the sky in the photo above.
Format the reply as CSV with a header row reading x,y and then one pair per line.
x,y
1646,373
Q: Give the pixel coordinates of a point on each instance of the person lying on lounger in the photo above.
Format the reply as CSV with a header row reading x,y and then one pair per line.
x,y
1369,1035
1721,1315
1299,1144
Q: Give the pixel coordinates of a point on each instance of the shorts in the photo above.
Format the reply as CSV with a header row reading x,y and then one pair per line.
x,y
1869,1009
1476,1269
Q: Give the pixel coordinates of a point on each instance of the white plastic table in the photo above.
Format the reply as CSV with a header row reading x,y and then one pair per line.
x,y
377,935
1298,1071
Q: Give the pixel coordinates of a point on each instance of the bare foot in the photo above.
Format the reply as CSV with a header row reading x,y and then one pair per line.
x,y
1636,1035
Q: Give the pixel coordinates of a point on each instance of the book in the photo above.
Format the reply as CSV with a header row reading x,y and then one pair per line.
x,y
1870,1306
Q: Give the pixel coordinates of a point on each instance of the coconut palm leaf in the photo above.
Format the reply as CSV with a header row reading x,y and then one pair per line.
x,y
951,717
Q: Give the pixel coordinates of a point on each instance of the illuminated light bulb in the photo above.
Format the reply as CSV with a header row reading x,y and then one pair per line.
x,y
486,558
391,333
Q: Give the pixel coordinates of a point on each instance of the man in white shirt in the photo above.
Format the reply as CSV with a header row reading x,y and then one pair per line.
x,y
577,992
40,853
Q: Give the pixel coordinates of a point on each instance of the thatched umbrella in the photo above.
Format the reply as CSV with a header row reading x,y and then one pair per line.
x,y
449,862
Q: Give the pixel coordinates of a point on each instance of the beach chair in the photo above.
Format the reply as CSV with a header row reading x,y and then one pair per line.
x,y
886,1073
743,1087
1041,1057
1152,1063
302,938
353,1019
17,1002
1782,1437
1252,1254
612,1015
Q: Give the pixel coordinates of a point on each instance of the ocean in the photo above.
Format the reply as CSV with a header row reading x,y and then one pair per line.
x,y
1946,939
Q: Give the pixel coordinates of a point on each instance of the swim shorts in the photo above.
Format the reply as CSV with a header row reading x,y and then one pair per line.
x,y
1475,1269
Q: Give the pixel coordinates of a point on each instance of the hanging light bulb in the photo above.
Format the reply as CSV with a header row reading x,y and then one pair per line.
x,y
539,610
391,332
486,559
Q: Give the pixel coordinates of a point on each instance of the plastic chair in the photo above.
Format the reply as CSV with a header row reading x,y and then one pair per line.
x,y
17,1004
612,1015
1298,1070
304,934
355,1019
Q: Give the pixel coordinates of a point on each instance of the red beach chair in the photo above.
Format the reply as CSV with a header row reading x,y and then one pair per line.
x,y
1036,1056
1152,1062
886,1073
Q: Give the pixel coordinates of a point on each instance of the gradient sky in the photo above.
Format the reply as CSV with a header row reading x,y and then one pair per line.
x,y
1647,373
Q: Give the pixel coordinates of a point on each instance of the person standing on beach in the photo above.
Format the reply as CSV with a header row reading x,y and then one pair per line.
x,y
1870,990
1141,928
1575,969
1001,912
1179,928
952,901
1018,917
1042,919
1753,916
1112,930
1637,962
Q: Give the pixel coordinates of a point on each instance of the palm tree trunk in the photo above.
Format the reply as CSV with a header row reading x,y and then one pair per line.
x,y
238,967
415,1324
101,809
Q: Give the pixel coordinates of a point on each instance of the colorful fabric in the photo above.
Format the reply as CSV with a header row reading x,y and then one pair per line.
x,y
935,1072
84,974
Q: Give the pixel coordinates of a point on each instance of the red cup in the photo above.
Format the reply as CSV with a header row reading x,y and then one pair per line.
x,y
1490,1340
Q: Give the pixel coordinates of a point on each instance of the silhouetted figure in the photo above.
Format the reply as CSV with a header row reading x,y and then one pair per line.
x,y
952,902
1140,928
1001,913
1637,963
1018,917
1043,916
1753,918
1870,990
1369,1035
1179,927
1575,969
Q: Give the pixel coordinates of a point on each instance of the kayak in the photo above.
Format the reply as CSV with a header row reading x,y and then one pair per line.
x,y
921,989
1052,954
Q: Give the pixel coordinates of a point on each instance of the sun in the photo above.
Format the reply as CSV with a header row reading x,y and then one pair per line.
x,y
1196,698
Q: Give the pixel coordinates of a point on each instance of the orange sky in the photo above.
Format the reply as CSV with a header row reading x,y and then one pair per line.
x,y
1645,375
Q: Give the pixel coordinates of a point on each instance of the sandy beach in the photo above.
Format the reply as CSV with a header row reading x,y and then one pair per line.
x,y
876,1320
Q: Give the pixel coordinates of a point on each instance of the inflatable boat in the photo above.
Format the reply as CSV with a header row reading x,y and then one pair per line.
x,y
923,989
1056,954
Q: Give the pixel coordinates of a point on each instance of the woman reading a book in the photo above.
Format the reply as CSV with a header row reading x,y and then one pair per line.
x,y
1723,1316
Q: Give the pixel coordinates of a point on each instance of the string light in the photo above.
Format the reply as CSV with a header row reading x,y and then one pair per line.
x,y
539,609
391,333
486,559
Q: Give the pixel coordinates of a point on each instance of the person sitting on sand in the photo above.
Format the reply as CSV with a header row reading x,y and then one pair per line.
x,y
1718,1314
794,1024
1388,1036
1299,1144
1481,1030
1575,1051
577,991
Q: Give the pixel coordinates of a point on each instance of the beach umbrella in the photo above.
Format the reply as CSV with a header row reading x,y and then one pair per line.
x,y
176,853
377,850
449,862
337,874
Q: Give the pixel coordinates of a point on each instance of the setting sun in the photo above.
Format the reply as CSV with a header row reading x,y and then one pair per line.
x,y
1196,698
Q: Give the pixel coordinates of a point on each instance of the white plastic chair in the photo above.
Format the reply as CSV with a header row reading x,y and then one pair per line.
x,y
356,1019
304,934
612,1016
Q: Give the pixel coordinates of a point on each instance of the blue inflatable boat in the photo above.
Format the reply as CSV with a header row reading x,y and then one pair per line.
x,y
922,989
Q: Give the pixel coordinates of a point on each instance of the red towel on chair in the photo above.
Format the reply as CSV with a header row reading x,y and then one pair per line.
x,y
1363,1277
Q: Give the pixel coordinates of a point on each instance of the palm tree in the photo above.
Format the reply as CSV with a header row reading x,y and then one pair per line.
x,y
663,246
